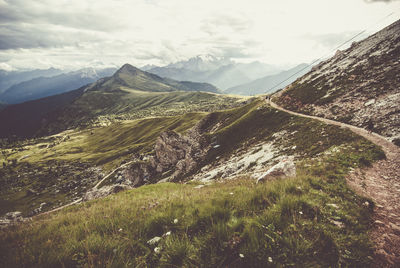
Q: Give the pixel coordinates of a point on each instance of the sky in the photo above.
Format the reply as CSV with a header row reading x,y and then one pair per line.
x,y
73,34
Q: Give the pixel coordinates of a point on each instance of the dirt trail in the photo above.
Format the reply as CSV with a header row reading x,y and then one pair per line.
x,y
381,182
112,172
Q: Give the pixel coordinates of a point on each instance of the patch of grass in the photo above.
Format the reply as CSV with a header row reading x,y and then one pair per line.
x,y
238,223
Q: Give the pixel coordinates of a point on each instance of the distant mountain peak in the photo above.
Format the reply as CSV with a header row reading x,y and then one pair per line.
x,y
88,72
129,69
204,62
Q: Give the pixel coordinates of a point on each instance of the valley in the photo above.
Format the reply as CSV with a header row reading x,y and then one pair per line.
x,y
240,209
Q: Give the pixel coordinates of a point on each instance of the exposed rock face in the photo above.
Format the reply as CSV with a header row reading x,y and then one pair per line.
x,y
253,159
360,85
175,155
104,191
178,152
136,174
285,168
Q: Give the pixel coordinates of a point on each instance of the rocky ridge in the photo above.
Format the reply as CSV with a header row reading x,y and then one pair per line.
x,y
359,85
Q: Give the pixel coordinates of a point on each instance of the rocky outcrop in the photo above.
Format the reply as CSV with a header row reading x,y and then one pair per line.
x,y
104,191
285,168
11,218
174,156
177,152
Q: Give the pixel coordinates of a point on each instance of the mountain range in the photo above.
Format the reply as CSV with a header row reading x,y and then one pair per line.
x,y
41,87
44,86
222,72
10,78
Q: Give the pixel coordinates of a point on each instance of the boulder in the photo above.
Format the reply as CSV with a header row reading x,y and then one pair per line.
x,y
11,218
285,168
14,216
105,191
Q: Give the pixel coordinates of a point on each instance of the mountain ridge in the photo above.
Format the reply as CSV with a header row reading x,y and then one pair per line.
x,y
358,85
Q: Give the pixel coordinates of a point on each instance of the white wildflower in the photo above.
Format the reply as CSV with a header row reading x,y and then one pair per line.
x,y
154,240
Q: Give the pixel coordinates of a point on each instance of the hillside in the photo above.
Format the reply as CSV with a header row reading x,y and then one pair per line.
x,y
41,87
271,83
359,85
219,216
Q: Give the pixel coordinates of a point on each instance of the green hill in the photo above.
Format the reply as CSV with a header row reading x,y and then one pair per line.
x,y
136,79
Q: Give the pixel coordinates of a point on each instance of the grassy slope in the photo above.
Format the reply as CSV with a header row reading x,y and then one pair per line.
x,y
126,103
287,222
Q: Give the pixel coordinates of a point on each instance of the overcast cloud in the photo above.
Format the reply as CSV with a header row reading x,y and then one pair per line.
x,y
78,33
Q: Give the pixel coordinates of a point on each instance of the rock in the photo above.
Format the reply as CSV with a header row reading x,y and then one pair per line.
x,y
333,205
137,173
11,218
180,153
167,234
105,191
285,168
120,179
13,215
370,102
338,223
395,228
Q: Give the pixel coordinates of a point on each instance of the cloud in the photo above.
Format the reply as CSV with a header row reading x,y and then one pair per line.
x,y
75,33
386,1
